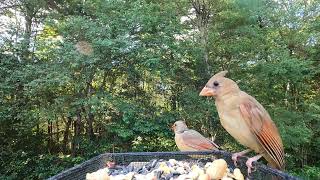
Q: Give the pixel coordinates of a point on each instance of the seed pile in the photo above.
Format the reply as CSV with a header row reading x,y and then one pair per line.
x,y
169,170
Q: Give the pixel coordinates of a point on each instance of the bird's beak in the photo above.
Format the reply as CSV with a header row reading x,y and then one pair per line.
x,y
172,128
207,92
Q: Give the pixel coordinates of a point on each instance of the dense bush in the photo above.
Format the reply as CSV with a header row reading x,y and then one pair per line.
x,y
80,78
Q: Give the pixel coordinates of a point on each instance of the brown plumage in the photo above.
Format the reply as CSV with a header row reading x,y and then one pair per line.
x,y
245,119
191,140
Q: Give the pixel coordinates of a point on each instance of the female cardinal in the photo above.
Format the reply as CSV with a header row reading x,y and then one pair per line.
x,y
191,140
246,120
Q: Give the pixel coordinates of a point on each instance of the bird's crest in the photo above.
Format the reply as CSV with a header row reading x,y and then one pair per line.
x,y
221,74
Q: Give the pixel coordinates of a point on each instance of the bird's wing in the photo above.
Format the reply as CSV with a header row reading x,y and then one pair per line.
x,y
264,129
195,140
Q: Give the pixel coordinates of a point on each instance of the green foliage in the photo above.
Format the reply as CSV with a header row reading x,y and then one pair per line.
x,y
21,165
145,66
308,172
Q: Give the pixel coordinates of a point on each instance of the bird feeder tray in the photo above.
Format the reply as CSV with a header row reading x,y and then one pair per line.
x,y
139,159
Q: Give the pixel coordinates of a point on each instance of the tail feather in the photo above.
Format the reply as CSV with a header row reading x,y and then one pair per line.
x,y
274,164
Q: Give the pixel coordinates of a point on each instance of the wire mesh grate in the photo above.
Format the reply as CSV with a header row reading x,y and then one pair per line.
x,y
138,159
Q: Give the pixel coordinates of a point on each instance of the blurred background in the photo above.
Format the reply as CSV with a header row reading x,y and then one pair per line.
x,y
82,77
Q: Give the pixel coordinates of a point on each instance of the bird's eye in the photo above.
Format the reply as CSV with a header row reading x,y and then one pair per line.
x,y
216,83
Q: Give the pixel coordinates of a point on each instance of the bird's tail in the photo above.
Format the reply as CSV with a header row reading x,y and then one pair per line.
x,y
275,165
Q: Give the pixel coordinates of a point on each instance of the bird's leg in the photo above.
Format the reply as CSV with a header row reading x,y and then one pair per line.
x,y
250,160
236,155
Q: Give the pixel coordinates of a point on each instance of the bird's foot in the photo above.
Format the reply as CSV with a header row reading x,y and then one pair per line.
x,y
249,165
236,155
235,158
250,161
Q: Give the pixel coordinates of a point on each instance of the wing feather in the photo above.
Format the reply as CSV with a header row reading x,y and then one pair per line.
x,y
264,129
195,140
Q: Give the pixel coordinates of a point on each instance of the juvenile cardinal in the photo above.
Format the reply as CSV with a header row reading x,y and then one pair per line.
x,y
246,120
191,140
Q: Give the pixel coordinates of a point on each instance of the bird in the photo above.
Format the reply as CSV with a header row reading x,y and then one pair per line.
x,y
246,120
190,140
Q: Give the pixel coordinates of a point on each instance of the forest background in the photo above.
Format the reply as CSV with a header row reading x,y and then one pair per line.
x,y
83,77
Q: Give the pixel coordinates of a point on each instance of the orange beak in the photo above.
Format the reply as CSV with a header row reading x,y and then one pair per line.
x,y
207,92
172,128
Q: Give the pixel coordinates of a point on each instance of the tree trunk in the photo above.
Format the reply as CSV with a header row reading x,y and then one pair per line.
x,y
58,133
90,118
38,129
202,10
204,43
174,100
77,133
49,145
29,14
90,126
66,135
